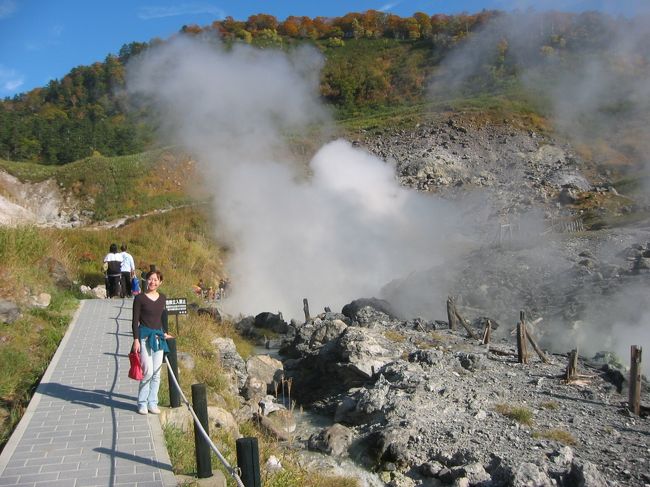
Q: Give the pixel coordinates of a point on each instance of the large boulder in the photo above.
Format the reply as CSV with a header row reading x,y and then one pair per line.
x,y
352,309
327,331
230,360
272,322
266,370
363,352
334,440
221,418
585,474
41,300
99,292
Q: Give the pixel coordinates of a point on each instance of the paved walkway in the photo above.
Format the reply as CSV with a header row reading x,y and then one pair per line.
x,y
81,427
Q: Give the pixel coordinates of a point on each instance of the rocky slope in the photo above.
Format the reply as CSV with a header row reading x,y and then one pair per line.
x,y
536,217
425,405
40,203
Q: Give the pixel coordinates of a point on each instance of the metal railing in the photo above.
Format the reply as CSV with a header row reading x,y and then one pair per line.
x,y
234,472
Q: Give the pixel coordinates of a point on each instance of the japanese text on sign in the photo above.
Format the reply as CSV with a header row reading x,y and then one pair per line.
x,y
176,306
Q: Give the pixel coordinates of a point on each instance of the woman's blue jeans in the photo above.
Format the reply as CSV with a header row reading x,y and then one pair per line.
x,y
149,385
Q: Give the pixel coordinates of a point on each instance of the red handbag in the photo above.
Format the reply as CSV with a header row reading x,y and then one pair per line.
x,y
135,371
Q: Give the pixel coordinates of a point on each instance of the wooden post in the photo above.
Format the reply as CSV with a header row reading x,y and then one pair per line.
x,y
572,366
451,313
172,356
466,326
487,332
454,318
522,348
538,350
248,461
635,380
305,308
202,447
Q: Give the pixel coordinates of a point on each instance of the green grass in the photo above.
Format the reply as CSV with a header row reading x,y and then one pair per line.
x,y
558,435
521,415
26,348
29,171
394,336
112,187
549,405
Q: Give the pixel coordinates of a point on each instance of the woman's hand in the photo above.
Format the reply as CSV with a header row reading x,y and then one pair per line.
x,y
167,336
136,346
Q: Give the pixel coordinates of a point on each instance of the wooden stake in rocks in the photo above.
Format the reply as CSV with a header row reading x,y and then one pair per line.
x,y
451,313
572,367
522,349
487,332
635,379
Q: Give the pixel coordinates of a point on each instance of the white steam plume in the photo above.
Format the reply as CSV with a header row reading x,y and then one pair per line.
x,y
337,235
599,92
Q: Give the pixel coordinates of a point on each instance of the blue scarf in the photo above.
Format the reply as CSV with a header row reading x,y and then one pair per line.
x,y
156,338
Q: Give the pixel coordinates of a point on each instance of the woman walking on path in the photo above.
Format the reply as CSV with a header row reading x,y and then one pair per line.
x,y
149,335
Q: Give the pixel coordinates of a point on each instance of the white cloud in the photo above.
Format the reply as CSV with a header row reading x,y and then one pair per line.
x,y
388,7
158,12
10,80
7,7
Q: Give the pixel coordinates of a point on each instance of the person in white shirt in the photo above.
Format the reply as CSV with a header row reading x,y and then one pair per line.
x,y
128,270
113,270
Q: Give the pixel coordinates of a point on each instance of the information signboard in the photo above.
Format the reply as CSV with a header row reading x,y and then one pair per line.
x,y
176,306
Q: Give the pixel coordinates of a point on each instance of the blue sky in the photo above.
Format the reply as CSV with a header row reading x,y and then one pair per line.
x,y
42,40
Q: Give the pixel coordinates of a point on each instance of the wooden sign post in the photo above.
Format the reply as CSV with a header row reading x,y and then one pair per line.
x,y
176,306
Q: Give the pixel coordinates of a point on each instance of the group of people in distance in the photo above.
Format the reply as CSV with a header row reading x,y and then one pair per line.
x,y
119,270
209,293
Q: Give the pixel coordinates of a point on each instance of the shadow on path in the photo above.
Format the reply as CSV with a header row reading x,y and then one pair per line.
x,y
133,458
86,397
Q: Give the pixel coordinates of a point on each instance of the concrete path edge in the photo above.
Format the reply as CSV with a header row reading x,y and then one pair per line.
x,y
17,435
168,478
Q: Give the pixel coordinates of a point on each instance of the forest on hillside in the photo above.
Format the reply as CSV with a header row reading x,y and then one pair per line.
x,y
373,60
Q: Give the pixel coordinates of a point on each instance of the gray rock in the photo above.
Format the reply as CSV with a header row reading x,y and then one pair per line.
x,y
99,292
530,475
585,474
471,361
329,330
562,457
42,300
9,311
334,440
230,360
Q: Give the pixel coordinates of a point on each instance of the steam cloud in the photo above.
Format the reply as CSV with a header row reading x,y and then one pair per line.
x,y
337,230
587,92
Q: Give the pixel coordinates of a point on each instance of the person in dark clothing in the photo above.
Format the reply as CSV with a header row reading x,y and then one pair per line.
x,y
149,334
113,273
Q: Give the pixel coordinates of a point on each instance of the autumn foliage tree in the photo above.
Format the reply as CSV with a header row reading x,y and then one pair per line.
x,y
373,59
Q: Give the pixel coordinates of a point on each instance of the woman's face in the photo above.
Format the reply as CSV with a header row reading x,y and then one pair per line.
x,y
153,283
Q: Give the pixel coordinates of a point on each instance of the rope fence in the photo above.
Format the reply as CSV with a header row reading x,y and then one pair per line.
x,y
232,471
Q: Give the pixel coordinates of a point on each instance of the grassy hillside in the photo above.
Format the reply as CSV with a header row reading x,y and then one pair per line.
x,y
112,187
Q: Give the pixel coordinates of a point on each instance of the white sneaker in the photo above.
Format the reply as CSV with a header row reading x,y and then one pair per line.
x,y
142,410
154,410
